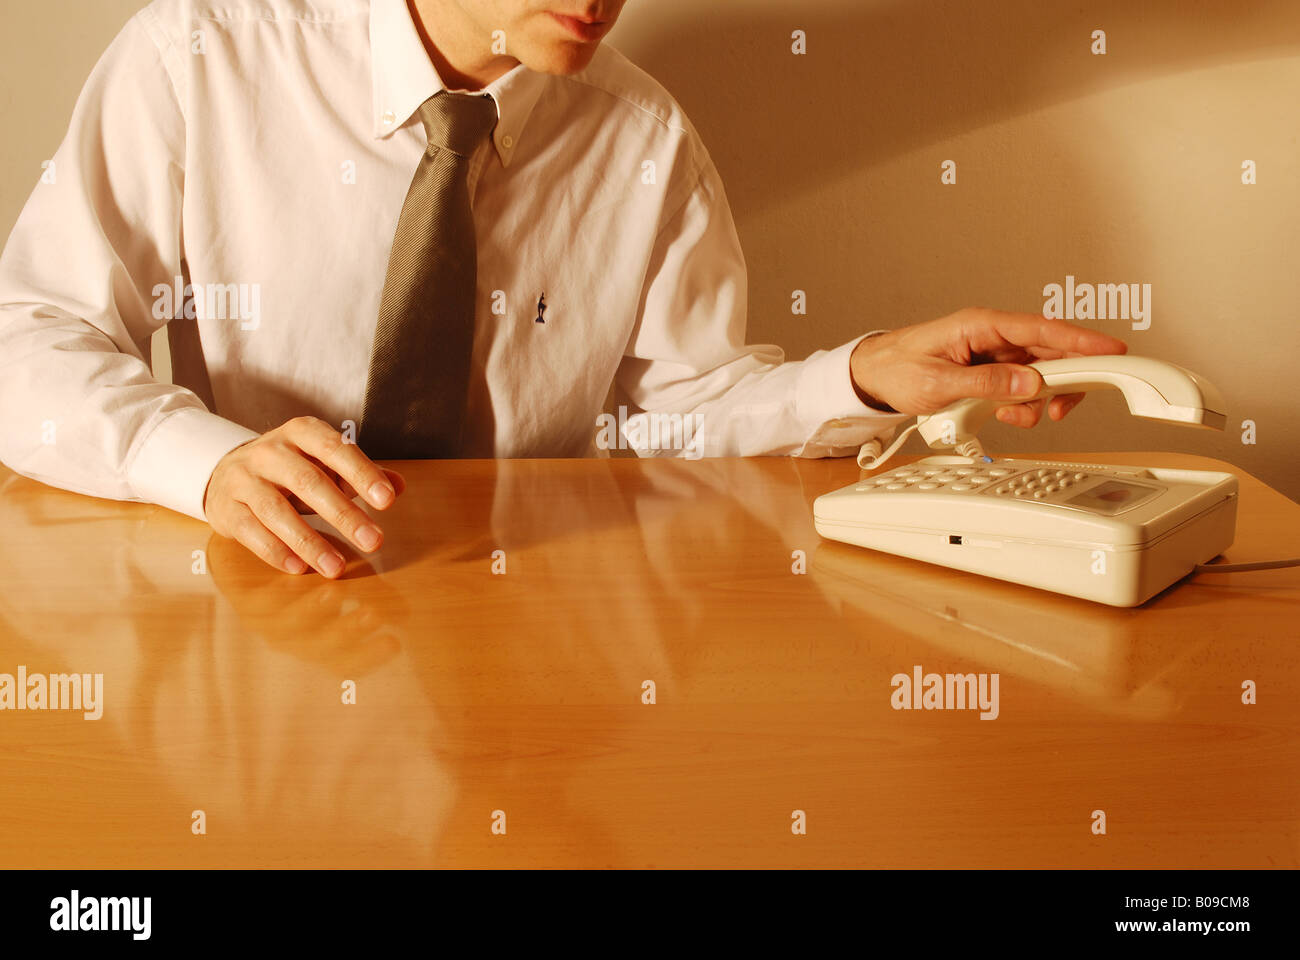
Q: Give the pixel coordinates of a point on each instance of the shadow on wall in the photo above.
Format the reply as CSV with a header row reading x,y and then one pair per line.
x,y
1116,168
887,77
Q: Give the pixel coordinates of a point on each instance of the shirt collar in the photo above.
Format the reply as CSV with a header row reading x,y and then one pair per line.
x,y
404,77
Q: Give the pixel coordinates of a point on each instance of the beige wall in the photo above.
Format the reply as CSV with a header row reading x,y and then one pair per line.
x,y
1117,168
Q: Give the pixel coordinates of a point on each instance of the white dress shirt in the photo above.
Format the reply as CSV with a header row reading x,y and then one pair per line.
x,y
260,150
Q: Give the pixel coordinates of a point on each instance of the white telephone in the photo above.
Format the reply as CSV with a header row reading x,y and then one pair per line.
x,y
1114,534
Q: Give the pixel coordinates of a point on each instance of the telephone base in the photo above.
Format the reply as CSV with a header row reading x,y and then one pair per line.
x,y
1116,535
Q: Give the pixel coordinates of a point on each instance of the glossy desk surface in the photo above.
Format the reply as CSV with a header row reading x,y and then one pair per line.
x,y
522,692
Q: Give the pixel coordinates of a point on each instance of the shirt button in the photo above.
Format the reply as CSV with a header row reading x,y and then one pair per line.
x,y
507,141
389,118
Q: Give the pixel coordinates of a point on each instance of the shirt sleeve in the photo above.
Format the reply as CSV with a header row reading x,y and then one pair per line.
x,y
699,389
79,406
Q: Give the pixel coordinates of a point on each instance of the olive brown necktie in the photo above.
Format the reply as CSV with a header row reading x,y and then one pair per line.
x,y
419,364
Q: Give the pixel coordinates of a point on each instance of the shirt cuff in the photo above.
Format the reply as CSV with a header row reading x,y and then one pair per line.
x,y
176,460
826,388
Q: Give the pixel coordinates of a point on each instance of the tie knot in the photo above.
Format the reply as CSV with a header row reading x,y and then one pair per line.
x,y
458,121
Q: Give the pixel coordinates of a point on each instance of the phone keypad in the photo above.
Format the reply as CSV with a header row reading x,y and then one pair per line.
x,y
998,478
1040,484
1092,488
927,478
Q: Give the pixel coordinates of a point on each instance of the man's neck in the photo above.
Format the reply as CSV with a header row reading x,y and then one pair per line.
x,y
462,56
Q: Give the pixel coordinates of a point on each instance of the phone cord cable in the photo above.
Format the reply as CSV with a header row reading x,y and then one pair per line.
x,y
1243,567
870,457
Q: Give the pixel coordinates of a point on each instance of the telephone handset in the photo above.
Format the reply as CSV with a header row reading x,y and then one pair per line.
x,y
1115,534
1154,390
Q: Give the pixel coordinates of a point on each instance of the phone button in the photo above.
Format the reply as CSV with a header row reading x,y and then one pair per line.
x,y
1039,494
927,486
961,486
896,486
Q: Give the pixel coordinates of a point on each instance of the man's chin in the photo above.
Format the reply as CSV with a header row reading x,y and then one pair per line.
x,y
560,58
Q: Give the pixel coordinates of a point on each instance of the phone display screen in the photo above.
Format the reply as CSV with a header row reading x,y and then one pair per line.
x,y
1112,497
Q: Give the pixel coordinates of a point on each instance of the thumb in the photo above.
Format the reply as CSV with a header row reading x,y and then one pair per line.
x,y
1011,382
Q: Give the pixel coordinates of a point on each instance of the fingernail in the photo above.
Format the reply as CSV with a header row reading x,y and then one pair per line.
x,y
330,564
381,494
1024,384
295,565
368,537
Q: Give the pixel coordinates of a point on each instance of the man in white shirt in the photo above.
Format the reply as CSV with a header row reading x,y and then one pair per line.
x,y
237,171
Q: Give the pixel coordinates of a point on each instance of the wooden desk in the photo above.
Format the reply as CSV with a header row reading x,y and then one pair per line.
x,y
522,692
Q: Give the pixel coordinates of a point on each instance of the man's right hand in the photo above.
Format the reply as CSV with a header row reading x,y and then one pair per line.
x,y
258,492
